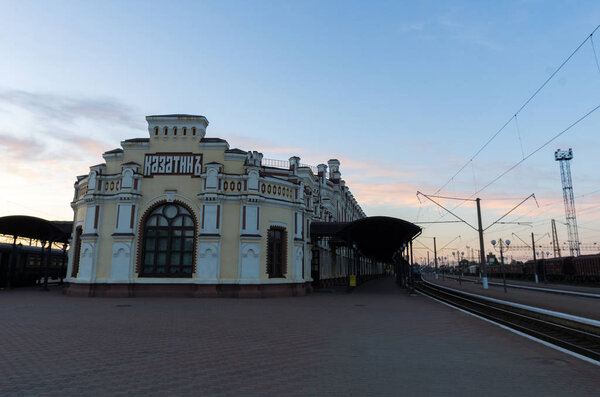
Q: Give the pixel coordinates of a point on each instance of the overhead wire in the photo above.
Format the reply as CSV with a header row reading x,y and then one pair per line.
x,y
515,117
519,110
594,50
519,135
537,150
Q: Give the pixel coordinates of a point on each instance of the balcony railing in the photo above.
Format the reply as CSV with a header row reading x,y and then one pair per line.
x,y
284,164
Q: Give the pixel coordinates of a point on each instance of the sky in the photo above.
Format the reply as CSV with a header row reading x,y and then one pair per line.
x,y
404,93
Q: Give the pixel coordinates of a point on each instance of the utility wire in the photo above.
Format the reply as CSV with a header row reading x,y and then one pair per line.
x,y
519,110
537,150
594,50
519,135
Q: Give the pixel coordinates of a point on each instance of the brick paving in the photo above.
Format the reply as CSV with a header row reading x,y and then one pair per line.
x,y
374,341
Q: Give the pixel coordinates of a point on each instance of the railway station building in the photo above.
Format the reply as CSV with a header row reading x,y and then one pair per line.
x,y
180,213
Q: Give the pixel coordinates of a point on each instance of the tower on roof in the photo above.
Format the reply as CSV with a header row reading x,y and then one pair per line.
x,y
177,125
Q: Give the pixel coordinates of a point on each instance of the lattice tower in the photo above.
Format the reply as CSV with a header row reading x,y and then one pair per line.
x,y
564,159
555,244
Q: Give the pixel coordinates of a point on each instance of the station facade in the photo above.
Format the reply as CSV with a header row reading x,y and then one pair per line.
x,y
179,213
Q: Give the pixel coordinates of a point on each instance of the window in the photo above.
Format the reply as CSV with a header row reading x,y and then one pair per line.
x,y
276,252
155,130
184,131
174,130
168,246
77,251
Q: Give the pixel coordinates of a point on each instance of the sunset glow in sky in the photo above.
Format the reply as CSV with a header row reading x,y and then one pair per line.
x,y
402,93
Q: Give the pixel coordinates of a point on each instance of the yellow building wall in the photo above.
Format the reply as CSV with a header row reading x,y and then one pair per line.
x,y
230,236
105,241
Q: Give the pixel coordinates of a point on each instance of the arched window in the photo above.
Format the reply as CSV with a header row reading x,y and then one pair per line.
x,y
184,131
194,131
168,247
155,131
174,130
166,130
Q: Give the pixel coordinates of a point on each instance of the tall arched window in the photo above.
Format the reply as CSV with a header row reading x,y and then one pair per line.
x,y
168,242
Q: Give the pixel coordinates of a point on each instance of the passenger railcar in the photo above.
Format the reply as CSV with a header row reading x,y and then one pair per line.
x,y
27,267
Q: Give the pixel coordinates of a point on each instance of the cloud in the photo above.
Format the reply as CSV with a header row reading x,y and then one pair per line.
x,y
372,182
385,194
69,109
468,33
48,139
19,148
412,27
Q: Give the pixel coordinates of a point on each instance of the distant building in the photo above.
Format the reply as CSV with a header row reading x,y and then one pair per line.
x,y
181,214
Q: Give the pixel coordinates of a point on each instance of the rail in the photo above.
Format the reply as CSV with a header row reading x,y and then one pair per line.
x,y
576,334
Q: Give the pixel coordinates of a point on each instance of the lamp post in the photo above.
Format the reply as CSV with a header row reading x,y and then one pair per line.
x,y
404,264
544,264
501,244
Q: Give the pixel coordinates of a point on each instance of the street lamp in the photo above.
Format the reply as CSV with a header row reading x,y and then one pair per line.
x,y
501,244
544,263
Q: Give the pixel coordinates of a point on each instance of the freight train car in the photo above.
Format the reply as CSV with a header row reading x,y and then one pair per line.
x,y
583,268
587,268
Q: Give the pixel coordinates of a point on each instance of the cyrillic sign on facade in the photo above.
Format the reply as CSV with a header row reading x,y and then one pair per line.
x,y
172,164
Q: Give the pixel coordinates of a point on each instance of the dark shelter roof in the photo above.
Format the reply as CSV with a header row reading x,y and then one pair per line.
x,y
377,237
36,228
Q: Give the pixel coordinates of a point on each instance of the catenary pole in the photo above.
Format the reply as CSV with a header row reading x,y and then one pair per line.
x,y
481,249
535,270
435,258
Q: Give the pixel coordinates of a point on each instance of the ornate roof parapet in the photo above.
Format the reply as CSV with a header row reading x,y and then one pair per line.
x,y
254,159
322,169
294,164
334,170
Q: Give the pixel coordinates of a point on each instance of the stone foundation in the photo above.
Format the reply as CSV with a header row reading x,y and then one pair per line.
x,y
188,290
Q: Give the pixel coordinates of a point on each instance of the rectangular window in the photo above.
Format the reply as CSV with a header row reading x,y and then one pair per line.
x,y
132,217
96,217
76,251
244,219
276,252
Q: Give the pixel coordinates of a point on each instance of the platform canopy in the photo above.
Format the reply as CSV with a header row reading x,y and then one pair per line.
x,y
377,237
36,228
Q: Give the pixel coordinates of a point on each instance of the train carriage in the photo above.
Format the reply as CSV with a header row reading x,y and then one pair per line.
x,y
28,266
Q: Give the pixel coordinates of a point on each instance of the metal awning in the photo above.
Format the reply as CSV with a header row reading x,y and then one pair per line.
x,y
377,237
36,228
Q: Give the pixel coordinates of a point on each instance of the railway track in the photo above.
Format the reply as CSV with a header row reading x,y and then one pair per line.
x,y
576,334
531,288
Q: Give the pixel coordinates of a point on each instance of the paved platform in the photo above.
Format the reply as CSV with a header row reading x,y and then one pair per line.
x,y
376,341
592,288
575,305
